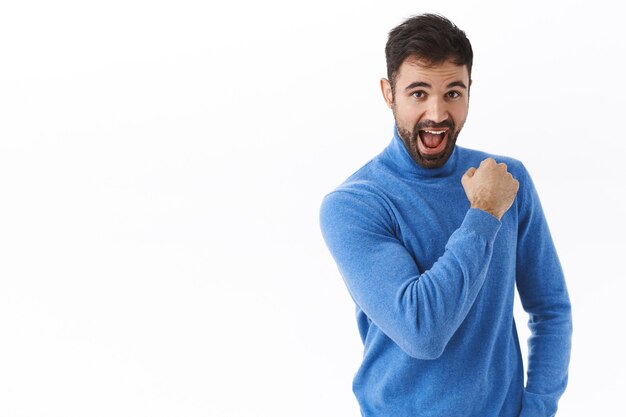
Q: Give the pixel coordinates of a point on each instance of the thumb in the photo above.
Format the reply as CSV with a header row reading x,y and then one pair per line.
x,y
470,172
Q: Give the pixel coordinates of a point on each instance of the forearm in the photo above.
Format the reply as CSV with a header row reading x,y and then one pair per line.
x,y
549,348
442,296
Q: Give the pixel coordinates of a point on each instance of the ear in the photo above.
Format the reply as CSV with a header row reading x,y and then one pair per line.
x,y
385,88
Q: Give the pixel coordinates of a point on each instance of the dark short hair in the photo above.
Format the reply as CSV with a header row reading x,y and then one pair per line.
x,y
428,37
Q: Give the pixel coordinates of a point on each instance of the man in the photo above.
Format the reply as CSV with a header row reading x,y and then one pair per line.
x,y
432,239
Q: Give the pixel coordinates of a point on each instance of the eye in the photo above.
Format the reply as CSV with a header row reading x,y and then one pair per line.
x,y
453,94
418,94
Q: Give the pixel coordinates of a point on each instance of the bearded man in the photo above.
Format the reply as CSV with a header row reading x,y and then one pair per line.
x,y
432,239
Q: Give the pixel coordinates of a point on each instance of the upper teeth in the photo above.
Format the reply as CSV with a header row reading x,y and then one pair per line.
x,y
435,132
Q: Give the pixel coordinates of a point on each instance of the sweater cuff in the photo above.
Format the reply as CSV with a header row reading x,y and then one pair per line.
x,y
481,223
536,405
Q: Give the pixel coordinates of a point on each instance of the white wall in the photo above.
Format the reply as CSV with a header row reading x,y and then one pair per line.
x,y
161,169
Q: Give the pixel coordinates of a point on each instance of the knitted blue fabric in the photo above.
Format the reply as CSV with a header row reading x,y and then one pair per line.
x,y
434,282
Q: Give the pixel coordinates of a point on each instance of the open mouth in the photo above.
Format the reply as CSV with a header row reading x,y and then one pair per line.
x,y
432,141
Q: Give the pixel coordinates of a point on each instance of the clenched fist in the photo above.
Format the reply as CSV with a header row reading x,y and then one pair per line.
x,y
490,188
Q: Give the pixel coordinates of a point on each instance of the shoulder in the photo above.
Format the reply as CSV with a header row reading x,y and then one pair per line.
x,y
357,199
472,157
365,184
360,198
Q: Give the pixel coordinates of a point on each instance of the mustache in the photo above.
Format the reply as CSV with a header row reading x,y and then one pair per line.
x,y
429,124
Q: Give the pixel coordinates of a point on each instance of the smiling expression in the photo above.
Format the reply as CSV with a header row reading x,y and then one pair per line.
x,y
430,105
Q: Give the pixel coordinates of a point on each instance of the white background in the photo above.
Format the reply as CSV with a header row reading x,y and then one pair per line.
x,y
161,169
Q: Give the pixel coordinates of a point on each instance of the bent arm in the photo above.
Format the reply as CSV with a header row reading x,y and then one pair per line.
x,y
543,293
419,311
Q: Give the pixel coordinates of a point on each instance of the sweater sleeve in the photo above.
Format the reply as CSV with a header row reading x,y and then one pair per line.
x,y
543,293
419,311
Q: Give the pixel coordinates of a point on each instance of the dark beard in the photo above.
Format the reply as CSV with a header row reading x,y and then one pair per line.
x,y
429,161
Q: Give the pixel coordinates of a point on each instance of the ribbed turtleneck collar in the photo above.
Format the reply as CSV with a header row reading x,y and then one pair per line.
x,y
398,155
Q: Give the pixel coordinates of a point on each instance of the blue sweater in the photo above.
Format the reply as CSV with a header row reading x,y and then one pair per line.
x,y
434,281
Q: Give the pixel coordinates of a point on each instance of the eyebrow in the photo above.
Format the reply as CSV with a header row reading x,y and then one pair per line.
x,y
423,84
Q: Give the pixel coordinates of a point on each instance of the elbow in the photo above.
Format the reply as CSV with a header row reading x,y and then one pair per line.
x,y
425,348
554,320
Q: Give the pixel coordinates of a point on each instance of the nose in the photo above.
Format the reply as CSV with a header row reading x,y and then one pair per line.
x,y
437,110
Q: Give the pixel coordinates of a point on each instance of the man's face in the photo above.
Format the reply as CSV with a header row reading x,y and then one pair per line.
x,y
430,106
